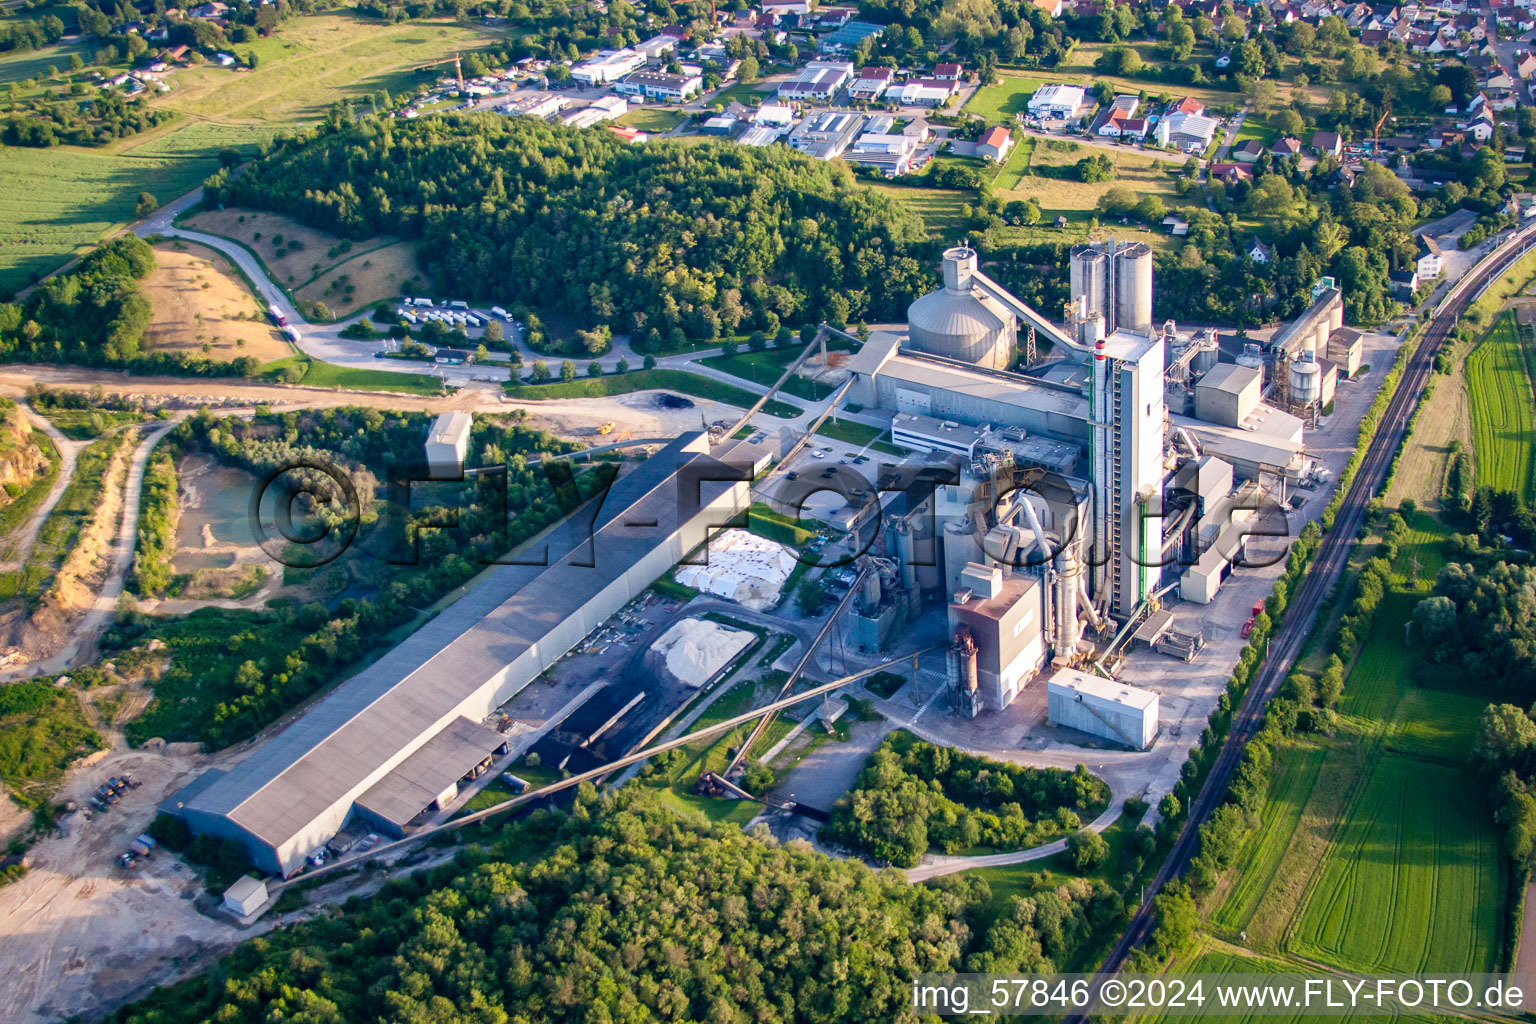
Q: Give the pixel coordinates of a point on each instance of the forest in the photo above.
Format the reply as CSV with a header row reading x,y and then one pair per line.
x,y
233,671
913,795
625,910
667,242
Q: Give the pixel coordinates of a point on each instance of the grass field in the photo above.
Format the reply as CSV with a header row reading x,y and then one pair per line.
x,y
642,380
1143,175
55,202
939,208
369,276
1296,773
1499,380
202,307
89,424
657,120
1000,101
1013,171
765,367
1373,685
328,375
1414,879
1436,725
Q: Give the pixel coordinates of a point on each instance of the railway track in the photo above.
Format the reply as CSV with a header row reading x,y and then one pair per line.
x,y
1327,568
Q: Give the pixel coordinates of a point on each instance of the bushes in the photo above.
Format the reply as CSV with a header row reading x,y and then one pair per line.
x,y
152,574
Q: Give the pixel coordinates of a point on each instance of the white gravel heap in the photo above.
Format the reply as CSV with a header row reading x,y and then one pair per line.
x,y
742,567
695,649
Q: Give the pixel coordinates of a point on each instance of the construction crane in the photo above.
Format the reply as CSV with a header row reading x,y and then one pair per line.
x,y
458,67
1376,132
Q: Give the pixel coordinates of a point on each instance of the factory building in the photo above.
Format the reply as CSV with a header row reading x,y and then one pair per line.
x,y
395,740
1228,394
997,622
1123,714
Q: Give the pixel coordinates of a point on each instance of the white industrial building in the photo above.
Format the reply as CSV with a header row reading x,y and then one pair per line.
x,y
448,443
819,81
245,896
1057,100
607,67
1123,714
391,742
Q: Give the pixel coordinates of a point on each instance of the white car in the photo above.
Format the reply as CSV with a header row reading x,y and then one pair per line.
x,y
818,455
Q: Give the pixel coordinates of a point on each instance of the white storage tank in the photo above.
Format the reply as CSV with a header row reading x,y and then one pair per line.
x,y
1123,714
1133,287
1252,357
1089,273
1306,380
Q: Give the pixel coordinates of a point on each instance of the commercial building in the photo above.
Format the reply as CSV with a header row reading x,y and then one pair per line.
x,y
1057,100
818,81
1122,714
826,136
927,92
661,86
246,896
1186,132
383,740
541,105
891,154
607,67
448,443
871,83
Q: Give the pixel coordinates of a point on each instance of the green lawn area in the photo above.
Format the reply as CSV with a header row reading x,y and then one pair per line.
x,y
1000,101
745,93
1255,127
1017,166
862,434
87,424
765,367
657,120
644,380
316,374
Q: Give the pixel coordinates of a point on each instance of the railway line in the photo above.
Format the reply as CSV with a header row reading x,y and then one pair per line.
x,y
1327,568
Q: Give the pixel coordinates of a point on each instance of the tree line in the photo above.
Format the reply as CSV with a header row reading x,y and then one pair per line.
x,y
666,242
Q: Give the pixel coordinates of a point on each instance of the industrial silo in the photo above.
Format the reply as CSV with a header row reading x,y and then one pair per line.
x,y
1133,288
1305,380
1089,274
959,321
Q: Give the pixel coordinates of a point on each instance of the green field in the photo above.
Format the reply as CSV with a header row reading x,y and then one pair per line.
x,y
56,202
1383,666
656,120
1414,880
1296,771
940,208
1436,725
999,102
1499,381
766,367
642,380
328,375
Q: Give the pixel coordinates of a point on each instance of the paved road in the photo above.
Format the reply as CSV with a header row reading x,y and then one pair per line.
x,y
69,451
1232,130
1326,570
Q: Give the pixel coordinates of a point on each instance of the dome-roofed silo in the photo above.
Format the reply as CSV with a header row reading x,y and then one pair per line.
x,y
961,321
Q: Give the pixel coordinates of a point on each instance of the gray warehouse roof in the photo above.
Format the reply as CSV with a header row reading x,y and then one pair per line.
x,y
1229,377
322,758
425,775
1011,389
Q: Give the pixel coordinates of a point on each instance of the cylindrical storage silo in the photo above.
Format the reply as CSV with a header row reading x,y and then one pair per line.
x,y
1306,380
1252,357
869,596
1089,273
1133,288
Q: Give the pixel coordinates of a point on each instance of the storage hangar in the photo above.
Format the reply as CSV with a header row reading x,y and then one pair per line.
x,y
1117,712
1228,394
298,789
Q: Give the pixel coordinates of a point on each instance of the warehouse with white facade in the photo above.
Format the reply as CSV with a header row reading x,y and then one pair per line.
x,y
1123,714
392,742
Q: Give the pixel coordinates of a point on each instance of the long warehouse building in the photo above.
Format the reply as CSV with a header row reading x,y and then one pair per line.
x,y
394,740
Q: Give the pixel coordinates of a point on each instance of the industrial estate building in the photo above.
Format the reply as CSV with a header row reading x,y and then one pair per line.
x,y
393,742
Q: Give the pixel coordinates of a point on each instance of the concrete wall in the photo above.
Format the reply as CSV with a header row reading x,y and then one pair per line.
x,y
1130,723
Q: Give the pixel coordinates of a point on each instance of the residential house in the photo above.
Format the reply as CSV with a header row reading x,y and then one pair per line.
x,y
1247,151
1121,108
1258,251
1187,105
1525,67
995,145
1285,147
1052,8
1428,263
1327,142
1404,283
947,72
1134,128
1230,173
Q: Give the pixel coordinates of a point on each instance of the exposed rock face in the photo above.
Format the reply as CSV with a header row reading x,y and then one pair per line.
x,y
20,460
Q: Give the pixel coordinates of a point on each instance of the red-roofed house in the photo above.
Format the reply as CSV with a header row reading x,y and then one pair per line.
x,y
995,145
947,72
